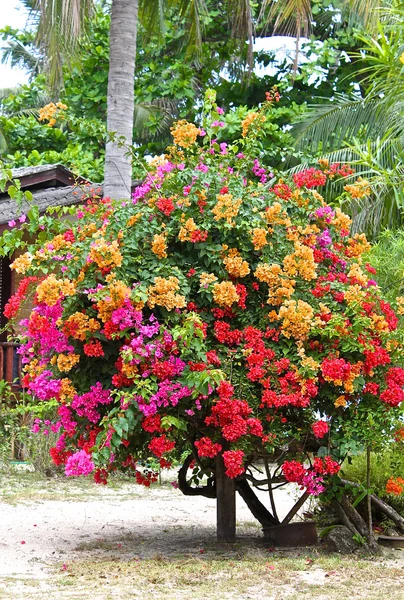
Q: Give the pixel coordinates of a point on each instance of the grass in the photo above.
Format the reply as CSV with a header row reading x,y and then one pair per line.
x,y
250,574
19,487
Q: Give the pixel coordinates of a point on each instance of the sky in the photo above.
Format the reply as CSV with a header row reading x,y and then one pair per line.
x,y
11,13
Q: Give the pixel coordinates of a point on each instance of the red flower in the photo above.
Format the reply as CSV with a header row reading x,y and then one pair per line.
x,y
161,445
310,178
152,423
320,429
93,348
233,461
101,476
165,205
206,447
293,471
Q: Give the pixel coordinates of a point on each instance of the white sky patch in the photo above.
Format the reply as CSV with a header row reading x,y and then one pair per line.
x,y
14,14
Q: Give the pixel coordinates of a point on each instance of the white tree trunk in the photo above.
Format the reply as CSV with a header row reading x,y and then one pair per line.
x,y
120,99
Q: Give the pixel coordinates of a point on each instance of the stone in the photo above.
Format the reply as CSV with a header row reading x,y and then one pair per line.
x,y
339,539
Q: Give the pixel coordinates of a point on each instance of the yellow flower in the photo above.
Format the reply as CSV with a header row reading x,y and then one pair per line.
x,y
357,246
184,133
133,219
78,325
225,294
22,263
400,305
66,362
297,319
341,221
117,294
51,290
354,294
159,245
162,293
340,401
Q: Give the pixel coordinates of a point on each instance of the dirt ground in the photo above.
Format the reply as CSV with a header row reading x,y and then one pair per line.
x,y
63,538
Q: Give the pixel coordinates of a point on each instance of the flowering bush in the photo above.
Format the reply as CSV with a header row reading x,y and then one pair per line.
x,y
222,310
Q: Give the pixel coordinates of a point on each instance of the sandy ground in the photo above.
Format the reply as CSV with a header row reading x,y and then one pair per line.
x,y
126,522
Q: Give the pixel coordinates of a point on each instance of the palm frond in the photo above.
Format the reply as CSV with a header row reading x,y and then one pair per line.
x,y
327,126
61,24
164,111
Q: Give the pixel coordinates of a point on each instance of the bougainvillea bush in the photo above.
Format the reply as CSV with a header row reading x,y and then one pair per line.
x,y
223,311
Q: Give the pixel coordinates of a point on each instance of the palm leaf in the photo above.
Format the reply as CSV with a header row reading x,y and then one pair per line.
x,y
327,126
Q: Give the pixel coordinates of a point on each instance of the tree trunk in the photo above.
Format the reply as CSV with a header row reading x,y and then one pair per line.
x,y
120,98
225,504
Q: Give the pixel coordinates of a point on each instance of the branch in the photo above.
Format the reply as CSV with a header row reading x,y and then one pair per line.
x,y
208,491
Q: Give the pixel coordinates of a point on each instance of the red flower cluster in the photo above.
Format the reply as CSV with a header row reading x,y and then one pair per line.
x,y
101,476
225,335
336,369
293,471
326,466
161,445
59,457
282,190
310,178
233,461
93,348
320,429
152,423
207,448
13,305
165,205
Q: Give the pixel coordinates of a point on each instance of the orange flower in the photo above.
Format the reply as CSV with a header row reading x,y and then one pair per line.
x,y
226,208
300,262
66,362
236,266
184,133
105,254
225,294
51,290
259,238
159,245
395,486
162,293
22,263
297,319
249,119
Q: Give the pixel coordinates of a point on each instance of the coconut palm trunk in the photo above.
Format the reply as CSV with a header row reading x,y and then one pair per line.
x,y
123,31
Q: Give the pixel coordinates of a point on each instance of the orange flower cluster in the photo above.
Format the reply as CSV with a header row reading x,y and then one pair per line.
x,y
249,119
395,486
236,266
274,215
185,233
78,325
259,238
357,246
67,390
51,290
184,133
22,263
162,293
105,254
225,293
359,189
159,245
226,208
66,362
206,279
341,221
280,287
300,262
297,319
50,111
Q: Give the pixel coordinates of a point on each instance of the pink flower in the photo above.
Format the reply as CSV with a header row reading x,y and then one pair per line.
x,y
12,223
78,464
22,218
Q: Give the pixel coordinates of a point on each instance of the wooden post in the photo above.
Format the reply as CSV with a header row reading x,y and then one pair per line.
x,y
225,504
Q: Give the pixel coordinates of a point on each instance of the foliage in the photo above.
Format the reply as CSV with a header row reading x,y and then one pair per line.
x,y
223,311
